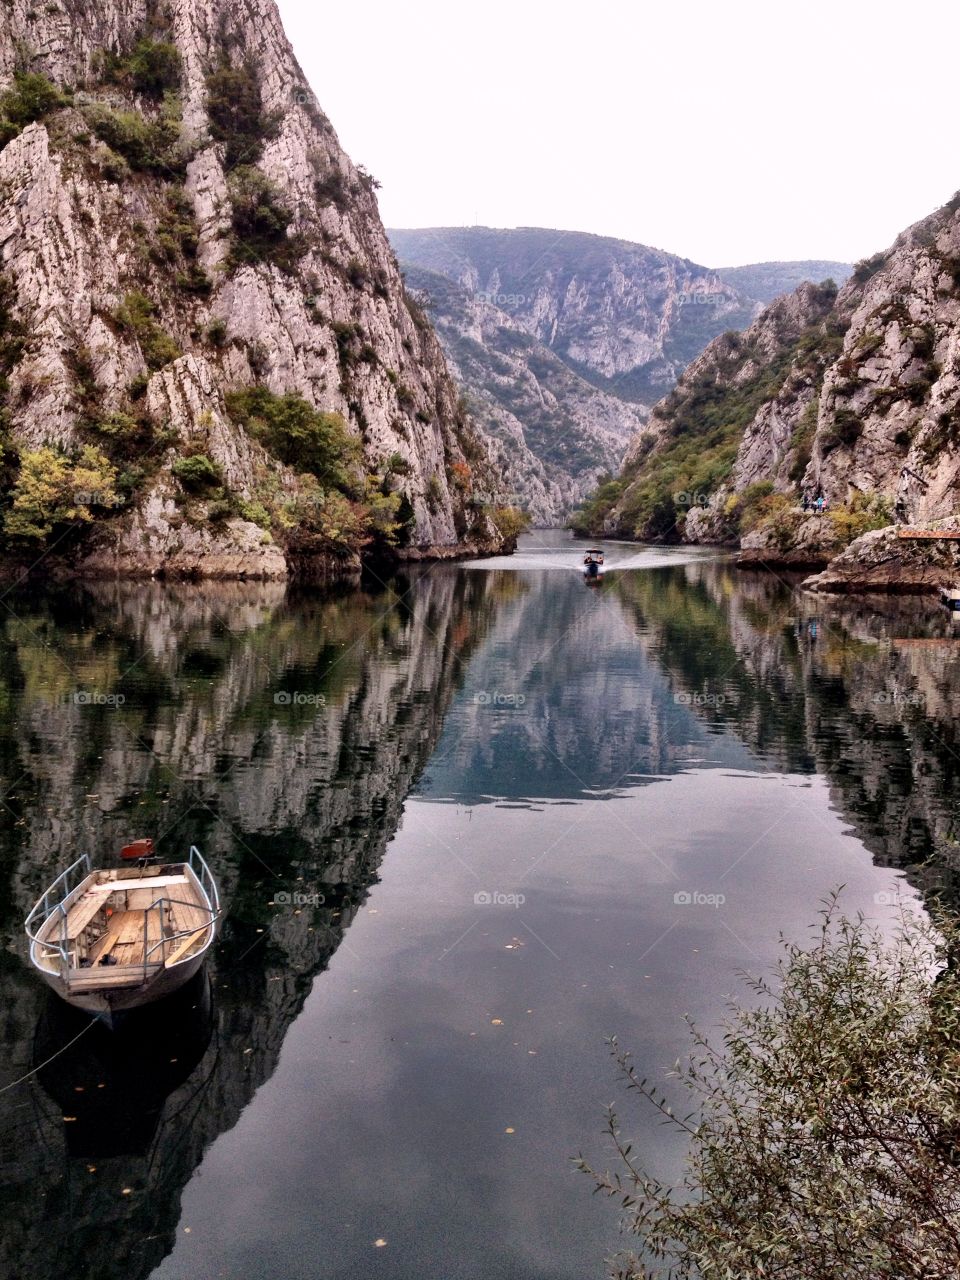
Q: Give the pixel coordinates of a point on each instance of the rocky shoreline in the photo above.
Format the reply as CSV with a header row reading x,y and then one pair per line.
x,y
271,565
878,561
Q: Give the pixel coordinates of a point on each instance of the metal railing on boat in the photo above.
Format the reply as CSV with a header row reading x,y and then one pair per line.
x,y
57,901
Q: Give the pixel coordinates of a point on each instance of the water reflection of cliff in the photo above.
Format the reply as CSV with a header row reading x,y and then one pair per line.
x,y
864,691
279,733
562,702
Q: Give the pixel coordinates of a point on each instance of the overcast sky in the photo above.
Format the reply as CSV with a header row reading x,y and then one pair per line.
x,y
726,132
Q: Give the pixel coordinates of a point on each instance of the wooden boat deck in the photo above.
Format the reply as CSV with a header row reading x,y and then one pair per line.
x,y
114,925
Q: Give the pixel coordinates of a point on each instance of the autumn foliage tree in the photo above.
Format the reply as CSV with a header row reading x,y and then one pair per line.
x,y
824,1133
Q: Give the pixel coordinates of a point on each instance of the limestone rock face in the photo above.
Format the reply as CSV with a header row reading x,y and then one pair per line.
x,y
857,400
317,309
882,561
552,431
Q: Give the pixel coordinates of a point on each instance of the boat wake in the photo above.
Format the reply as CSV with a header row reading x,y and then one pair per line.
x,y
619,557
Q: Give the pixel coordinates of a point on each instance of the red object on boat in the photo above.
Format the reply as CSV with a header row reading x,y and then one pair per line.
x,y
138,849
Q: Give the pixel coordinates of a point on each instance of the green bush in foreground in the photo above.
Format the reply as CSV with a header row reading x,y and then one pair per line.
x,y
824,1136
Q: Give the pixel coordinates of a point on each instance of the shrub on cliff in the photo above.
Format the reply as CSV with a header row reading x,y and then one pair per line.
x,y
237,118
151,68
824,1135
136,314
29,98
325,520
197,473
53,490
864,511
301,436
755,505
510,523
152,146
260,221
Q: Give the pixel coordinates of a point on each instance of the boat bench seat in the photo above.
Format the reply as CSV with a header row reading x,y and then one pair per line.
x,y
138,882
92,979
81,913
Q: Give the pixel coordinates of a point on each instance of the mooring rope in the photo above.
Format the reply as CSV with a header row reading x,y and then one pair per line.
x,y
52,1058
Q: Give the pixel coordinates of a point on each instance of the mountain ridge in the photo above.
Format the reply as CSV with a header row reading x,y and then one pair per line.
x,y
540,326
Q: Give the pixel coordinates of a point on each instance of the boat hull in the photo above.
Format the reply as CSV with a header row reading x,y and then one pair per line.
x,y
106,1001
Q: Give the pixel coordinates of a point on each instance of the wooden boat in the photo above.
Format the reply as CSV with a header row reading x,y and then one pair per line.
x,y
120,937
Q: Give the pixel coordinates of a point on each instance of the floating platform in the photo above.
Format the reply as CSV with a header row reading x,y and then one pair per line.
x,y
928,535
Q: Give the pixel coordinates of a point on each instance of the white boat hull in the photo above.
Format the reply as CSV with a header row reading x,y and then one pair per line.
x,y
107,1001
112,940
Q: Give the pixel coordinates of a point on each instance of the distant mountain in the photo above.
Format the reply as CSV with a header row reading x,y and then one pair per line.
x,y
767,280
562,340
551,432
625,317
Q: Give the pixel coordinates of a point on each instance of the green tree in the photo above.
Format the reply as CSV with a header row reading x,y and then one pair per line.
x,y
52,489
303,437
824,1136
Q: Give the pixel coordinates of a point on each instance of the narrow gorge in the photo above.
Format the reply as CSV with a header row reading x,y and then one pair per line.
x,y
562,340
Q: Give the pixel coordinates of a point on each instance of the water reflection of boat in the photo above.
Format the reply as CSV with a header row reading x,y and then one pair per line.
x,y
112,1086
593,563
118,938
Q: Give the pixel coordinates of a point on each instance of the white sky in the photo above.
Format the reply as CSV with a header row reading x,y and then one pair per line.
x,y
727,132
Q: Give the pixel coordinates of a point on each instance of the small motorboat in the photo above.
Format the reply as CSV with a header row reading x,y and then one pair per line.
x,y
950,598
120,937
592,562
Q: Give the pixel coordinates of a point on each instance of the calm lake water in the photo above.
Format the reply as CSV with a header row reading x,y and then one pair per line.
x,y
466,825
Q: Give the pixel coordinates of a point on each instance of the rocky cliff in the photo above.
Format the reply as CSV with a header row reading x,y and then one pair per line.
x,y
209,361
626,317
553,432
849,394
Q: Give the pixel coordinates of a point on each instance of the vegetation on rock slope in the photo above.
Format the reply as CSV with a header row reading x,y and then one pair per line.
x,y
700,426
316,485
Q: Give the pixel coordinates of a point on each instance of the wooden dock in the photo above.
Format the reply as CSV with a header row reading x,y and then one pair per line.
x,y
928,535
